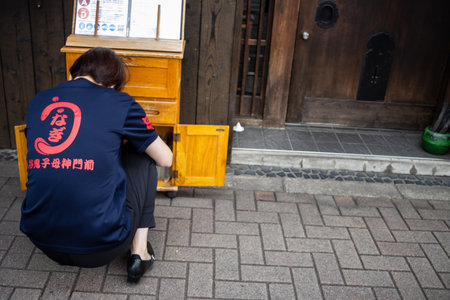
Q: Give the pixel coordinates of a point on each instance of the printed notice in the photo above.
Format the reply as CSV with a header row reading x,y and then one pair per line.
x,y
112,17
144,17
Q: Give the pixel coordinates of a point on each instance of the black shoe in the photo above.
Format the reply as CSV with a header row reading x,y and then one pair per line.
x,y
137,267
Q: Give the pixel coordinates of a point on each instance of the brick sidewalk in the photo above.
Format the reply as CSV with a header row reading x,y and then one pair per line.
x,y
245,244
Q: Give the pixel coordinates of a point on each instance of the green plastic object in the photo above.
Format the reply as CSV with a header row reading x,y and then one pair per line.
x,y
435,143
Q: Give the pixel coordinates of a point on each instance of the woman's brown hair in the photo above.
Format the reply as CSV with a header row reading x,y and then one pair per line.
x,y
103,65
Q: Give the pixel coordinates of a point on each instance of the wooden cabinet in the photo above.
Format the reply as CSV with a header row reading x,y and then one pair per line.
x,y
154,81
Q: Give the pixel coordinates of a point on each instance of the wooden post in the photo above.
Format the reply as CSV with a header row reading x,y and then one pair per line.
x,y
96,17
158,19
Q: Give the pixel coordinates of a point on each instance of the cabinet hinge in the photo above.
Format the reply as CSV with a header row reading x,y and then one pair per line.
x,y
176,137
175,174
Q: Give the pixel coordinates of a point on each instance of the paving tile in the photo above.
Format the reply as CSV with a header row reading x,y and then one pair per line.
x,y
346,254
265,274
445,277
326,204
188,254
280,291
400,249
257,217
23,278
432,214
296,198
59,285
363,241
437,257
414,236
101,296
202,220
340,221
200,283
90,279
272,237
118,284
347,292
379,229
18,254
10,228
13,213
407,285
385,263
386,293
393,219
237,228
158,241
327,268
213,240
173,212
240,290
179,232
444,240
309,245
367,278
421,204
292,225
277,207
406,209
360,211
227,264
288,259
327,232
306,284
172,289
424,272
310,214
440,205
214,193
374,202
437,294
245,200
224,210
192,202
168,269
161,224
250,250
344,201
28,294
6,241
5,292
264,196
430,225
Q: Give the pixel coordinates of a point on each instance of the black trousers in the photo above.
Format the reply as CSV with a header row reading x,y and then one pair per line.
x,y
142,178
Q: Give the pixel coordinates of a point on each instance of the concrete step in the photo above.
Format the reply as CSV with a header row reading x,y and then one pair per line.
x,y
342,161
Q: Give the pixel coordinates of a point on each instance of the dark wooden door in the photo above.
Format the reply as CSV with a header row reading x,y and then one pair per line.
x,y
398,47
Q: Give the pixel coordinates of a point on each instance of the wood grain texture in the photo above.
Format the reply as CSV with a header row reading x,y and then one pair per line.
x,y
214,64
201,155
47,33
280,62
4,126
22,150
17,62
329,64
367,114
189,71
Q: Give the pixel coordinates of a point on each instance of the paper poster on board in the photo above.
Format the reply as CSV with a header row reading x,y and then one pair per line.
x,y
112,17
144,17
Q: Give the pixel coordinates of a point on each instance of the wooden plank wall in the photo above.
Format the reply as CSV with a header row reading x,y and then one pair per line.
x,y
30,58
206,71
32,33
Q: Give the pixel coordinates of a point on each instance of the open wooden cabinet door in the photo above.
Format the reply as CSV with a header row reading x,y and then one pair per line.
x,y
200,155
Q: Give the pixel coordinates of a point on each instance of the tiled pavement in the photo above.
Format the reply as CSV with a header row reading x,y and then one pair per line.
x,y
251,244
